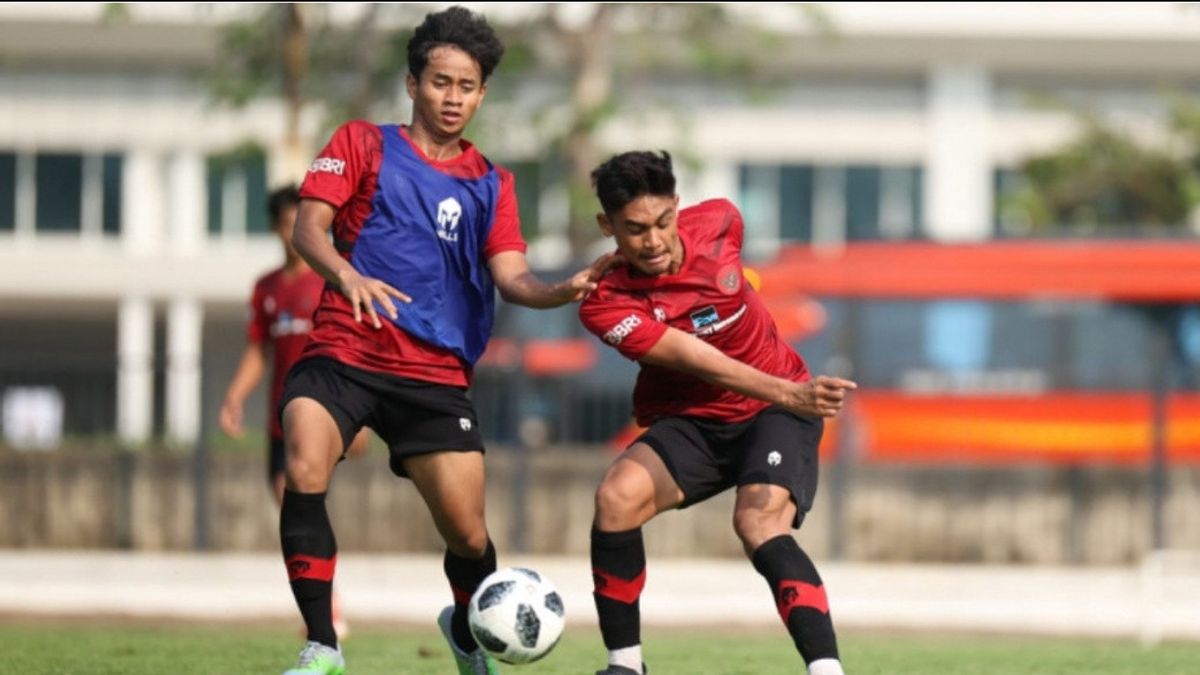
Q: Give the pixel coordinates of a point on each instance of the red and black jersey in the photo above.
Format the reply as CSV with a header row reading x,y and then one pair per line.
x,y
346,176
281,312
709,298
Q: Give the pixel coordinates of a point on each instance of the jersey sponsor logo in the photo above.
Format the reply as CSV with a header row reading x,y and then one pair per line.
x,y
712,324
328,165
622,330
449,211
704,317
285,324
729,279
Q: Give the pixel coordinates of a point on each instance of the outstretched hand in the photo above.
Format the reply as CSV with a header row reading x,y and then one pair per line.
x,y
822,396
585,280
364,292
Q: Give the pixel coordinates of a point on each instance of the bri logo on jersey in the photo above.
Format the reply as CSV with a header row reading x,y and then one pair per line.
x,y
328,165
622,330
449,211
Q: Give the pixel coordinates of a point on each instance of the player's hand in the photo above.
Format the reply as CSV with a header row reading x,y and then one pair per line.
x,y
364,292
230,418
822,396
584,281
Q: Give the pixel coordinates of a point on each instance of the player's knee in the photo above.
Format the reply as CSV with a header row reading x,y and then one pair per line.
x,y
305,471
755,526
621,501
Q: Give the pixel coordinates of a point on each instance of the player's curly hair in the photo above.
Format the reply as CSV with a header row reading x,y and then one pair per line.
x,y
281,199
461,28
627,176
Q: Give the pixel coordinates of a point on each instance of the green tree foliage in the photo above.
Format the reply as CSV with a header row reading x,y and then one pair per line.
x,y
1106,178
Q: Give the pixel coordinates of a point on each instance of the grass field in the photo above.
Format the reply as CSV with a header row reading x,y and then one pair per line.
x,y
45,647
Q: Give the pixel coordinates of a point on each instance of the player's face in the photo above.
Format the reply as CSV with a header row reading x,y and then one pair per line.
x,y
448,92
284,228
647,233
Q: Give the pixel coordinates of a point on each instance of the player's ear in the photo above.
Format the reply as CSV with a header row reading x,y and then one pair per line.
x,y
605,224
410,83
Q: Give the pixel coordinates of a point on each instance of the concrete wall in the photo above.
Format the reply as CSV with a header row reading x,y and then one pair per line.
x,y
1034,515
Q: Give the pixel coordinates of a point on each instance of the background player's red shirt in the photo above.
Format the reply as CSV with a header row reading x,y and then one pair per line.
x,y
709,298
345,175
281,311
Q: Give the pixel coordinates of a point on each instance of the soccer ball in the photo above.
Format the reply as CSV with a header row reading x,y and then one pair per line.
x,y
516,615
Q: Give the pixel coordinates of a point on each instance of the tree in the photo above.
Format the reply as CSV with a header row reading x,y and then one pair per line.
x,y
1106,178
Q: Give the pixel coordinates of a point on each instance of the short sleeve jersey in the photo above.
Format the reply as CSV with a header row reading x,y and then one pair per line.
x,y
281,312
346,176
709,298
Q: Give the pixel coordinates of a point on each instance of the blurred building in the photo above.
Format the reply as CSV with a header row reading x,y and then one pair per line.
x,y
131,213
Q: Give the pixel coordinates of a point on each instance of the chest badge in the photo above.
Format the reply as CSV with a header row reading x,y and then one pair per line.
x,y
729,279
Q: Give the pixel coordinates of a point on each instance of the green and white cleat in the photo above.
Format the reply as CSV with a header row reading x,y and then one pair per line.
x,y
475,663
319,659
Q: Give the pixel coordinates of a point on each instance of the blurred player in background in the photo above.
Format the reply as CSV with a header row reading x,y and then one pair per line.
x,y
425,231
281,309
726,401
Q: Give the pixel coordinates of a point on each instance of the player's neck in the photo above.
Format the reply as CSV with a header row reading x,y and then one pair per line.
x,y
294,264
434,146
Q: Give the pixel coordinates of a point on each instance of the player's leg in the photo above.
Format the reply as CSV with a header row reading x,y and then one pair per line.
x,y
434,439
321,413
452,485
662,470
776,485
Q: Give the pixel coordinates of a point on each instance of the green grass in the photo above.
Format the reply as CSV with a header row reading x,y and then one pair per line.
x,y
45,647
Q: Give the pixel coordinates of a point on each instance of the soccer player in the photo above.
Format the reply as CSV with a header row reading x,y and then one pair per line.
x,y
726,402
425,230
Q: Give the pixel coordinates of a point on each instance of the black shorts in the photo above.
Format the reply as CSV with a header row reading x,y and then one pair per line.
x,y
276,458
706,457
412,417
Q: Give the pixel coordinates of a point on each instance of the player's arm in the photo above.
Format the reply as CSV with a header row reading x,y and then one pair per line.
x,y
821,396
249,371
311,239
519,285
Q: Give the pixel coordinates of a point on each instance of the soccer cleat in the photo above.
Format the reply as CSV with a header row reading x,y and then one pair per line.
x,y
475,663
622,670
319,659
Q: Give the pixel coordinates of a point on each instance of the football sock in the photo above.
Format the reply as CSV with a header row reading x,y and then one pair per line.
x,y
465,575
310,554
826,667
619,573
630,657
800,597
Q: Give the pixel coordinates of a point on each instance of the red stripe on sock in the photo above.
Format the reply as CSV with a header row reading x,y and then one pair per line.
x,y
616,588
793,594
461,597
307,567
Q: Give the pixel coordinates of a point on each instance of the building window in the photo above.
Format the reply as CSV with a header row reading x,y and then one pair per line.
x,y
830,203
237,193
8,191
111,167
60,192
59,202
527,179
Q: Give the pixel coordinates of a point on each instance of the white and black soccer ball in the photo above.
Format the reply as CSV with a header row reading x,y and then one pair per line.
x,y
516,615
